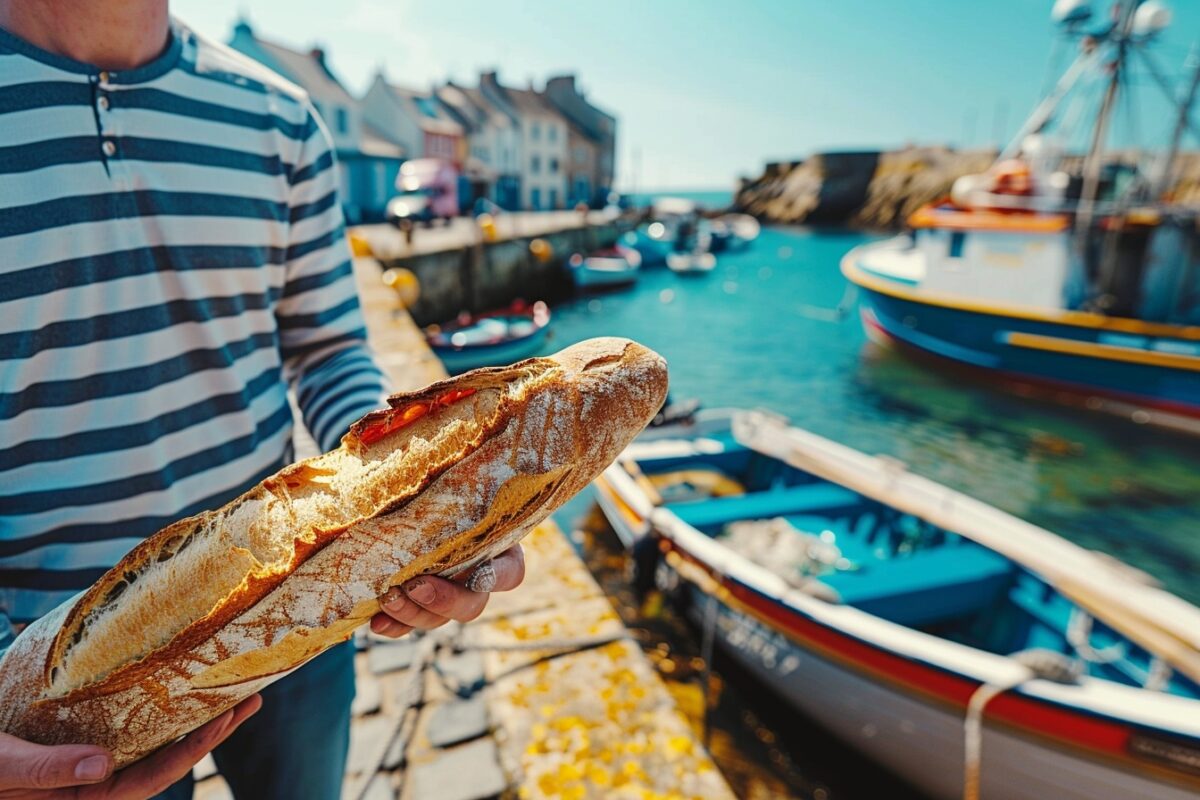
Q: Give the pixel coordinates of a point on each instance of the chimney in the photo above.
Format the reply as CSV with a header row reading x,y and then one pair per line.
x,y
318,54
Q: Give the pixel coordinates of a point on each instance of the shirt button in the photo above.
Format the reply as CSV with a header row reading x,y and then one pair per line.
x,y
103,103
108,147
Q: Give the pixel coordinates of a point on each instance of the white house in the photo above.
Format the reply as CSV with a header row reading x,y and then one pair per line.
x,y
364,160
543,143
415,121
493,161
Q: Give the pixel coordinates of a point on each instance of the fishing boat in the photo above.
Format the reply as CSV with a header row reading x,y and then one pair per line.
x,y
1060,273
733,232
691,262
970,653
491,339
608,268
652,241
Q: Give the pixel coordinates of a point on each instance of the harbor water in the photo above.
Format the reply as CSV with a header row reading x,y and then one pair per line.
x,y
763,330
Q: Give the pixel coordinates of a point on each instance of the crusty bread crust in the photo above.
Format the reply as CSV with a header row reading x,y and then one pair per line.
x,y
214,607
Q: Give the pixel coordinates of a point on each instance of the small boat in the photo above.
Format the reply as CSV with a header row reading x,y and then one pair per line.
x,y
491,339
733,232
971,653
652,242
608,268
694,262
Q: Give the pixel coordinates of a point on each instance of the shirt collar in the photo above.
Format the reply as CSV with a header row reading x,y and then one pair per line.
x,y
160,65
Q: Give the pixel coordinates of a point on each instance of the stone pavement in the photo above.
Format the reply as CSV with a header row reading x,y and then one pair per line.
x,y
545,695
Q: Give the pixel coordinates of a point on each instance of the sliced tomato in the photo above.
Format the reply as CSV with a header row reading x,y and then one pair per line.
x,y
403,417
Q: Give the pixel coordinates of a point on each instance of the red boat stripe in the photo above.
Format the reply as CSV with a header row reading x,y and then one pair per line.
x,y
1099,738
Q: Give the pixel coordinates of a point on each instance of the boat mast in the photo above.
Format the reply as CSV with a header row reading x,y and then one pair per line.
x,y
1093,162
1182,123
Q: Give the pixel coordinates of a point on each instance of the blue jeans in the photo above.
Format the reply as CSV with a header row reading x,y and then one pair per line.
x,y
295,747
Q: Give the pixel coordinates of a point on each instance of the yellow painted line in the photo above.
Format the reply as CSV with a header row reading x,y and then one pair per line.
x,y
1079,319
1107,352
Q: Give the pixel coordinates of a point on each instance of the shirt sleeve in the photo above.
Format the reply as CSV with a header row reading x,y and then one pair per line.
x,y
322,336
7,634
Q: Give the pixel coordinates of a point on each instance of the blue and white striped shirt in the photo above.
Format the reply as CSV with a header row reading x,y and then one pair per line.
x,y
172,257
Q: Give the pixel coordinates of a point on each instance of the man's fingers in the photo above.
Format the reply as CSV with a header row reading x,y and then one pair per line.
x,y
429,601
403,610
25,765
384,625
508,570
156,772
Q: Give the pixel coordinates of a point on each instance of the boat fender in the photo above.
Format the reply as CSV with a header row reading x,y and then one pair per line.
x,y
1039,663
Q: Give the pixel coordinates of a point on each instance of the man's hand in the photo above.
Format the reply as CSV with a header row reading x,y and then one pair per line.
x,y
429,601
36,772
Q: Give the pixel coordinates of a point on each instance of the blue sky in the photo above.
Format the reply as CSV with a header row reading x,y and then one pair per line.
x,y
708,90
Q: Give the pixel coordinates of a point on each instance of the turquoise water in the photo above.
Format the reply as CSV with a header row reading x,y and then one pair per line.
x,y
752,334
714,199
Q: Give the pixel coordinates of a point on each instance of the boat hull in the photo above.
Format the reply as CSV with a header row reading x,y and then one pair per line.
x,y
919,740
1148,375
604,273
457,360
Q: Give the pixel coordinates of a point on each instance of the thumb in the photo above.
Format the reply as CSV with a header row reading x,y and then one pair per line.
x,y
25,765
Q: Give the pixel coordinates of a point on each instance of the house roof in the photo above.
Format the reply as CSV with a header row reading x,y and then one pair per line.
x,y
430,115
309,70
497,115
592,122
374,142
528,101
461,107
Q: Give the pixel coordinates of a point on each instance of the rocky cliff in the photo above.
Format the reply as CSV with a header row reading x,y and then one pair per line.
x,y
874,189
868,189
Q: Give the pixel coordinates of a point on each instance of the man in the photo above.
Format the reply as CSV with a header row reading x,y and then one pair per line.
x,y
173,258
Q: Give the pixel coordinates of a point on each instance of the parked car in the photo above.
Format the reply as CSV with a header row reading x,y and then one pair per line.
x,y
428,191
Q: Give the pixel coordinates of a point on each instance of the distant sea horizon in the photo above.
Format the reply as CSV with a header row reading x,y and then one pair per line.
x,y
708,198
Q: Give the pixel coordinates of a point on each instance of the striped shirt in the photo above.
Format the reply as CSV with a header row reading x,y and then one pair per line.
x,y
172,259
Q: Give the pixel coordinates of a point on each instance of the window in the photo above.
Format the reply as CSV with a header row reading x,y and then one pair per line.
x,y
535,164
554,166
581,154
956,244
554,198
552,134
535,199
535,132
343,120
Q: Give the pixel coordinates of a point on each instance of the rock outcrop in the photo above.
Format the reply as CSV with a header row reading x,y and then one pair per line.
x,y
880,189
871,189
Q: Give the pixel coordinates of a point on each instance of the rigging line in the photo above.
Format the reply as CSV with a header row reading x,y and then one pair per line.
x,y
1165,85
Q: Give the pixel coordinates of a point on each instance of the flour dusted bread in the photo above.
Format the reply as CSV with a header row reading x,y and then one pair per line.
x,y
214,607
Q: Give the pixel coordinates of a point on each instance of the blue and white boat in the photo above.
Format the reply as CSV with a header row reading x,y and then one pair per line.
x,y
492,339
1065,276
970,653
609,268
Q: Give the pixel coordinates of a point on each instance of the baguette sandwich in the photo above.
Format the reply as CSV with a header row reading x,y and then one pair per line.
x,y
214,607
